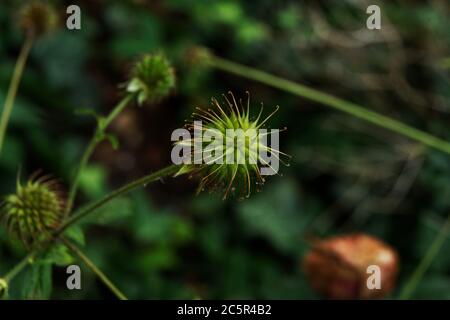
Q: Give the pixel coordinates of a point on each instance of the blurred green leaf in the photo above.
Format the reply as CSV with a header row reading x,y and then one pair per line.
x,y
276,215
114,211
59,255
153,225
12,154
137,32
92,181
76,234
433,287
24,114
37,283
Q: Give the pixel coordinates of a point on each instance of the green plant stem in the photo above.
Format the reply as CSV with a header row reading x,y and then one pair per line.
x,y
426,262
83,162
117,109
331,101
13,87
9,102
83,212
20,266
167,171
91,265
103,124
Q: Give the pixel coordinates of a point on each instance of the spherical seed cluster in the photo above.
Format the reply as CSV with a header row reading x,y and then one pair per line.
x,y
38,18
153,78
243,174
34,211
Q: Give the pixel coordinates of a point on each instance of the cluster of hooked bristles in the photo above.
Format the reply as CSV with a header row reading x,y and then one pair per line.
x,y
35,210
240,175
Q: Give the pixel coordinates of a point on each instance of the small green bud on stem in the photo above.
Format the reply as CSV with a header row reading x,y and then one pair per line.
x,y
153,78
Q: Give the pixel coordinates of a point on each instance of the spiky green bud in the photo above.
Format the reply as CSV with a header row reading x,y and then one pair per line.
x,y
38,18
34,211
153,78
229,165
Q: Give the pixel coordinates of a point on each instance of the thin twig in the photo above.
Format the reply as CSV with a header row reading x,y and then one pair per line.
x,y
426,262
331,101
91,265
91,147
13,87
19,267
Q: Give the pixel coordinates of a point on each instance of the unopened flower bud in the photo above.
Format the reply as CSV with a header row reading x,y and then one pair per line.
x,y
153,78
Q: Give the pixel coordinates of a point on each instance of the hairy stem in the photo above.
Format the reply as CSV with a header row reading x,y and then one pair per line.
x,y
167,171
91,265
83,212
91,147
426,262
117,109
20,266
331,101
13,87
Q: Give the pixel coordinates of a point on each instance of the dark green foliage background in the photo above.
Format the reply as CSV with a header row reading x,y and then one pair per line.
x,y
345,175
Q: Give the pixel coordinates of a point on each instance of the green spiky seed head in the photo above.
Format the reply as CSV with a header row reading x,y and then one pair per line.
x,y
243,174
34,211
153,78
38,18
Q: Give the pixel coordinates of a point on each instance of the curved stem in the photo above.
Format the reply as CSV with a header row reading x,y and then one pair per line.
x,y
167,171
91,147
426,262
84,160
13,87
20,266
91,265
117,109
170,170
331,101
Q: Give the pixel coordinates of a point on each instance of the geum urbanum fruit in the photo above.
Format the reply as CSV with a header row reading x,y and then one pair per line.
x,y
152,78
249,158
35,210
